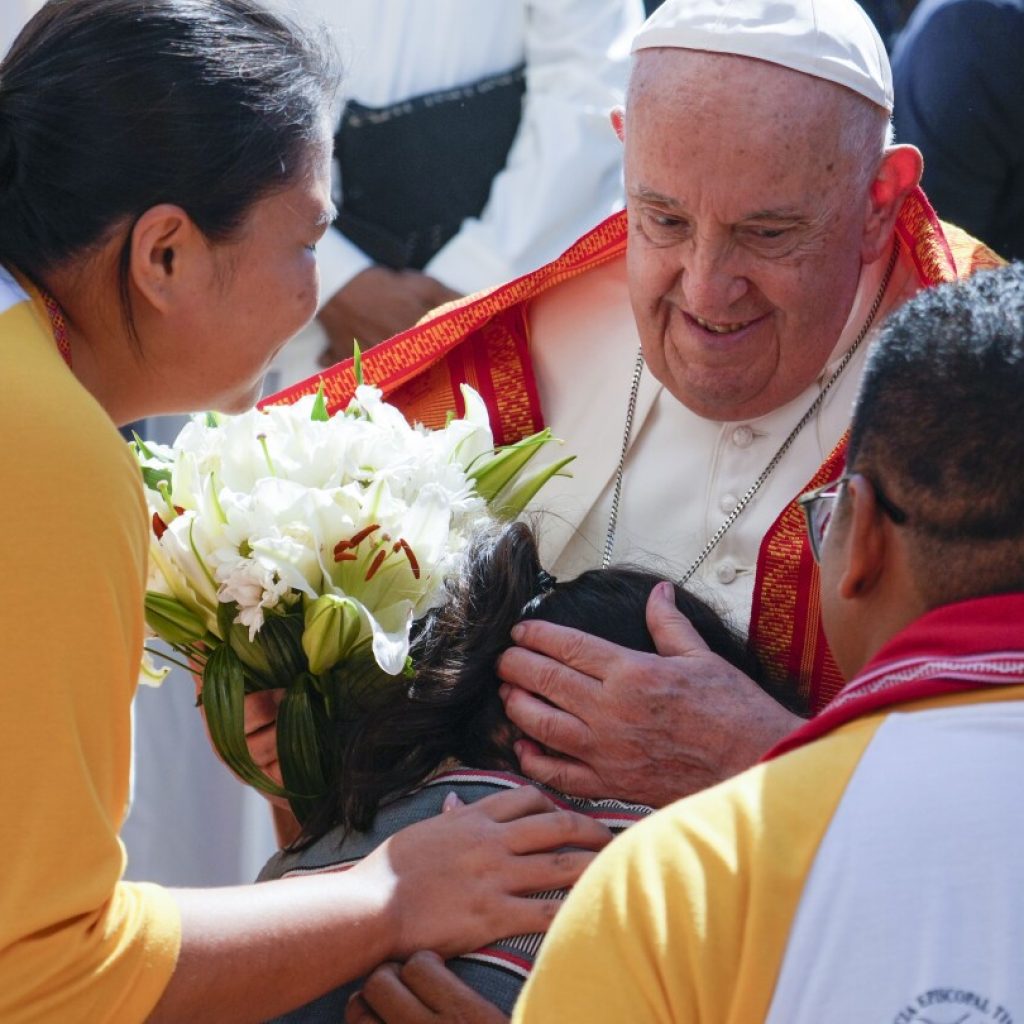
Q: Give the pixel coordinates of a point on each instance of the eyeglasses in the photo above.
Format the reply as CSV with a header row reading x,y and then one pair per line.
x,y
820,504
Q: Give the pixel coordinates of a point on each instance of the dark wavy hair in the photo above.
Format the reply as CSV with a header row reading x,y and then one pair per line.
x,y
111,107
452,709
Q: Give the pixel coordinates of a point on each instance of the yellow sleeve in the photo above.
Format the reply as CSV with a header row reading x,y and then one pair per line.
x,y
76,943
684,918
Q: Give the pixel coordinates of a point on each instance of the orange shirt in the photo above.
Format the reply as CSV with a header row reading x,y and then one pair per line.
x,y
76,943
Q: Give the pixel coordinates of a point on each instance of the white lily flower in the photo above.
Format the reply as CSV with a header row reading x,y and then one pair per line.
x,y
149,674
254,587
278,507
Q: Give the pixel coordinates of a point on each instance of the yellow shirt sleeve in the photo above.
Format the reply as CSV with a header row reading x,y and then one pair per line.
x,y
684,918
76,943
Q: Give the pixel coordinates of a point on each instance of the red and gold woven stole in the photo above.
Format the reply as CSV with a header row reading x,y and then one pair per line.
x,y
785,621
481,340
484,341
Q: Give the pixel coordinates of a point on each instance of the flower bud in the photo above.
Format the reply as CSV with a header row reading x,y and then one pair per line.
x,y
494,474
333,625
172,621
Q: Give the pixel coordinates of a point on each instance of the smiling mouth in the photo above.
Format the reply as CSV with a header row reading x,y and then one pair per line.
x,y
721,328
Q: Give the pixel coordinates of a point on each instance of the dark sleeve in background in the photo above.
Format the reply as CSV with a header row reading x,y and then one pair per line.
x,y
959,79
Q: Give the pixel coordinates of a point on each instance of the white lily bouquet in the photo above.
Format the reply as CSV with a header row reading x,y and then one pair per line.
x,y
293,549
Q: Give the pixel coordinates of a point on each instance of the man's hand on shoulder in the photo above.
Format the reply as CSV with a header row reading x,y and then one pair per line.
x,y
608,721
377,304
420,991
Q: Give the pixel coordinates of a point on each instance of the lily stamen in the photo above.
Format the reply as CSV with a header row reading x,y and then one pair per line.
x,y
353,542
413,563
376,564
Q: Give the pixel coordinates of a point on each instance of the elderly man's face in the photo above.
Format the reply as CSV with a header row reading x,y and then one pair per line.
x,y
747,215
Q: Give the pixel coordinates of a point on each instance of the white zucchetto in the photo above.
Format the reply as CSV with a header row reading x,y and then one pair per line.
x,y
830,39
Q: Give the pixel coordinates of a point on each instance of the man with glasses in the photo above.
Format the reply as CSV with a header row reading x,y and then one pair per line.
x,y
870,869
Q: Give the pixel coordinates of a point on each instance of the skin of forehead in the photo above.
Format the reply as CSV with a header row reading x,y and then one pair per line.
x,y
748,106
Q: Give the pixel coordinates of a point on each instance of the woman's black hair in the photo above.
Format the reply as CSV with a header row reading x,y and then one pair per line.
x,y
452,709
110,107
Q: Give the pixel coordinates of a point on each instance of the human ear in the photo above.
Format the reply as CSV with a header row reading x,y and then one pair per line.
x,y
161,241
618,119
862,544
898,174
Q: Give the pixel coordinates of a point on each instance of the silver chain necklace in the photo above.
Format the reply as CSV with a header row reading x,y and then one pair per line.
x,y
638,369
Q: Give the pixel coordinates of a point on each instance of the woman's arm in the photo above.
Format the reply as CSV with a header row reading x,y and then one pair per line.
x,y
450,884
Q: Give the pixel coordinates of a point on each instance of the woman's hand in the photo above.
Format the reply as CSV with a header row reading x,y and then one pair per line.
x,y
460,880
420,991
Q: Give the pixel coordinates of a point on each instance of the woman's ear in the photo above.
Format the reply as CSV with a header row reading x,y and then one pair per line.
x,y
163,241
899,173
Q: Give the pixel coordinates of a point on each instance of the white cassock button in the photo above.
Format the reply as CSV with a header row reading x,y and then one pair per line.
x,y
742,437
728,502
726,572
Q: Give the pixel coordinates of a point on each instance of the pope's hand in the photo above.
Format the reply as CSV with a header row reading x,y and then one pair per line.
x,y
420,991
607,721
376,304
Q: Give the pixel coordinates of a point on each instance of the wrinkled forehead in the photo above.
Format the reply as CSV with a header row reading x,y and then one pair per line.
x,y
692,79
741,102
737,134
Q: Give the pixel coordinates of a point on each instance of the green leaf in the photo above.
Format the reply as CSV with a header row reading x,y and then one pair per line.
x,y
513,503
144,448
223,703
301,725
280,638
172,621
320,413
492,475
359,684
213,419
153,478
357,362
257,669
226,612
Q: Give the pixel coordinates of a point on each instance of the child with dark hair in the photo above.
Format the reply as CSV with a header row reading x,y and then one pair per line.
x,y
448,732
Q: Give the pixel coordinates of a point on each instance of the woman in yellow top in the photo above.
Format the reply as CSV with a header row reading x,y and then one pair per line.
x,y
163,183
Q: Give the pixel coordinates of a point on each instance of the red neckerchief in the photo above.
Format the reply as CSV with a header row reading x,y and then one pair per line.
x,y
962,646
